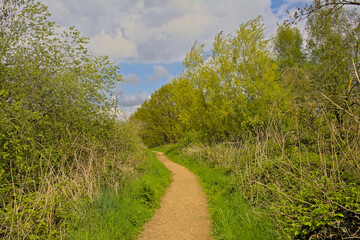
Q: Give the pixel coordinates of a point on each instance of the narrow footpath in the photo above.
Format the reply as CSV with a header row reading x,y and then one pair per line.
x,y
184,212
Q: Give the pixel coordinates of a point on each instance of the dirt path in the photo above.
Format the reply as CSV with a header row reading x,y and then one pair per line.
x,y
183,214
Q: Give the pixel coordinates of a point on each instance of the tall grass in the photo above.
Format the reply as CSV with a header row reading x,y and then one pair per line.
x,y
121,215
38,204
308,178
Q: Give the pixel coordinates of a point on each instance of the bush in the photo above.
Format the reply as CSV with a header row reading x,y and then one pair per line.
x,y
59,141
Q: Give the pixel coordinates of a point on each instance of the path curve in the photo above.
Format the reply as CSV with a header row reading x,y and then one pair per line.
x,y
184,212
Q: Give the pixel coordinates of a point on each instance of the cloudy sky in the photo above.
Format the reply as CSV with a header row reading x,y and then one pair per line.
x,y
149,38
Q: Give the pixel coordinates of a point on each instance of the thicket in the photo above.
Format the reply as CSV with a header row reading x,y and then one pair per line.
x,y
281,114
59,141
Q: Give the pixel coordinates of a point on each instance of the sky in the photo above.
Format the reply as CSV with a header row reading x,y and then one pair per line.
x,y
148,39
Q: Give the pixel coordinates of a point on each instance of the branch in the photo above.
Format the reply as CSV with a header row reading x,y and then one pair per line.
x,y
340,108
307,11
356,72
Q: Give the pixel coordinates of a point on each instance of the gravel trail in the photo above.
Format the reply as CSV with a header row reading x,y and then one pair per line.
x,y
184,212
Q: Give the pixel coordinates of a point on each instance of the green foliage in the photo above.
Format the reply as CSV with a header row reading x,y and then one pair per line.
x,y
234,85
225,95
121,215
189,139
333,45
51,88
318,214
288,46
59,142
159,117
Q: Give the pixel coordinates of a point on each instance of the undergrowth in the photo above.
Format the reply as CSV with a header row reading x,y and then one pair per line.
x,y
311,191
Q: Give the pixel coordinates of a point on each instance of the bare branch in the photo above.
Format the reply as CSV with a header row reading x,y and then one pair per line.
x,y
317,5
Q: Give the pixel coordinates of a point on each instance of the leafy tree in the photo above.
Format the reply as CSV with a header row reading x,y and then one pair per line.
x,y
206,106
55,105
223,95
256,77
49,82
288,46
294,77
333,46
159,118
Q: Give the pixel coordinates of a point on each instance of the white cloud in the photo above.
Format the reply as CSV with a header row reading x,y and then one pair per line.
x,y
128,111
155,31
132,78
159,73
128,104
116,46
193,22
132,100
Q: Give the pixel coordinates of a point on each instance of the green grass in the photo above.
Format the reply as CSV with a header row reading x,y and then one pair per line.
x,y
232,217
123,215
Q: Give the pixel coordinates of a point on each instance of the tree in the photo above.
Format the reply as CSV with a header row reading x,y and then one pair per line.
x,y
206,106
256,76
53,95
222,96
333,45
159,118
331,6
288,46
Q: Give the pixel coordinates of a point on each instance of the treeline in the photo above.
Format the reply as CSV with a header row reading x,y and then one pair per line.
x,y
59,139
280,113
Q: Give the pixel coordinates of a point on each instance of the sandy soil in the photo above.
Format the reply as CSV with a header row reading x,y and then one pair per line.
x,y
184,213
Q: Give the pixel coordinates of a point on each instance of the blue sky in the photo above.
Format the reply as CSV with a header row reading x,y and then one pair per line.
x,y
149,38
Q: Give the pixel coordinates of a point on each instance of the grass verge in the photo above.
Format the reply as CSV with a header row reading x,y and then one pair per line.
x,y
122,215
232,217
